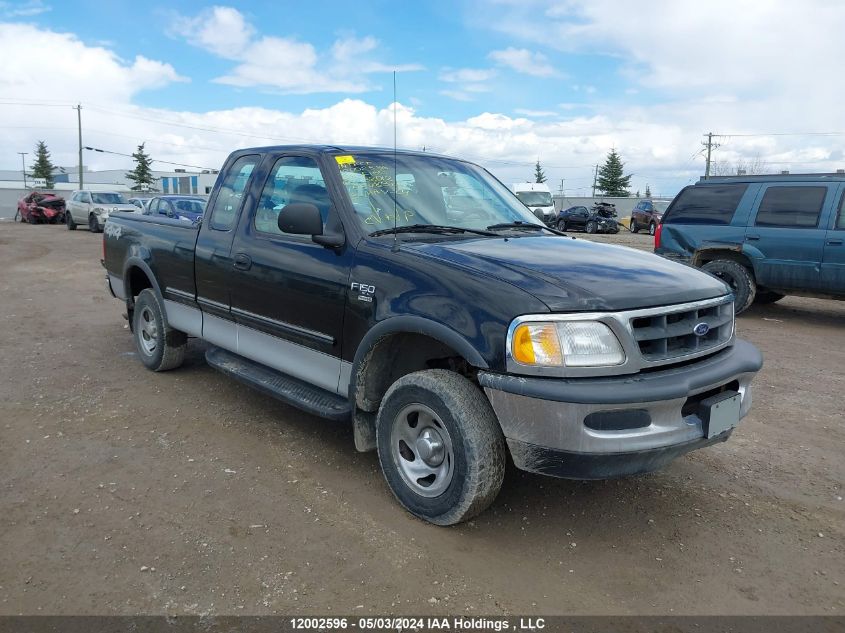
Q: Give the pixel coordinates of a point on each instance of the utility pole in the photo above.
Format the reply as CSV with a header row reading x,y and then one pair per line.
x,y
78,109
709,151
595,178
23,165
561,186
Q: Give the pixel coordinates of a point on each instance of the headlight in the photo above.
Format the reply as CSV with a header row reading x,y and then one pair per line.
x,y
566,344
98,210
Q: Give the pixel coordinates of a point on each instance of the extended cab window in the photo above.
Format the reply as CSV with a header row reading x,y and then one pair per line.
x,y
292,179
840,222
797,207
708,204
231,193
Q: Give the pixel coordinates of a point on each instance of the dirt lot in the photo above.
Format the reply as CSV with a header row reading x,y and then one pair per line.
x,y
124,491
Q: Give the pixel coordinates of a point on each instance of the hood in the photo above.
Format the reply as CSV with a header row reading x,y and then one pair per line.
x,y
114,208
573,274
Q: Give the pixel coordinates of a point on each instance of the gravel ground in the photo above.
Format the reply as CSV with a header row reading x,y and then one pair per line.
x,y
125,491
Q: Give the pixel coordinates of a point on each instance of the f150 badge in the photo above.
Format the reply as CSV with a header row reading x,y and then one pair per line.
x,y
365,291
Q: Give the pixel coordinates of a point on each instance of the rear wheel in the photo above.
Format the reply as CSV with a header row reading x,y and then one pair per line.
x,y
160,347
440,446
93,224
591,227
71,225
738,277
765,297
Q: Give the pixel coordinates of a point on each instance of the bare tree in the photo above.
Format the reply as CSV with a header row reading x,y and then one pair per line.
x,y
741,167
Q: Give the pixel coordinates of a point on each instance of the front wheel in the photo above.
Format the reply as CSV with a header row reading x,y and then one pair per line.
x,y
93,224
440,446
738,277
652,228
633,226
591,227
160,347
561,226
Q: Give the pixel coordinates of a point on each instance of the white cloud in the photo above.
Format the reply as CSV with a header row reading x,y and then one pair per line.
x,y
63,67
536,113
524,61
282,64
23,9
466,75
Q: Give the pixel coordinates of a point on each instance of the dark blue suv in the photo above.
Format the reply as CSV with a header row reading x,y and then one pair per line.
x,y
765,236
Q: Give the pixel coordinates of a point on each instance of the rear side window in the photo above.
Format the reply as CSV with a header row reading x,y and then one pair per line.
x,y
796,207
710,204
229,198
840,222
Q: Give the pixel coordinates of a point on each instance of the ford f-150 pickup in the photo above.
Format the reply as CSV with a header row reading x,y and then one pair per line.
x,y
345,281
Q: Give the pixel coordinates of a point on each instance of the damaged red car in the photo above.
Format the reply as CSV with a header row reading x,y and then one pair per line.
x,y
38,207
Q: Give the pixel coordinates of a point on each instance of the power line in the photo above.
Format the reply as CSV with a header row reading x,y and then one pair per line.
x,y
154,160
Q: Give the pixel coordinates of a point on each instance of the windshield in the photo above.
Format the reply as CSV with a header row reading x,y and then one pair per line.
x,y
535,198
427,190
107,198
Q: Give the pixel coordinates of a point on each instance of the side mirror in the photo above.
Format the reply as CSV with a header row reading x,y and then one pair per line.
x,y
301,218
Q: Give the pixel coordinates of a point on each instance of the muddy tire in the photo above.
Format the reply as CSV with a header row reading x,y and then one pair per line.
x,y
160,347
738,277
440,446
71,225
765,297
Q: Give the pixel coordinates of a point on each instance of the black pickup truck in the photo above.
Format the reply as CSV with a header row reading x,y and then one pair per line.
x,y
345,282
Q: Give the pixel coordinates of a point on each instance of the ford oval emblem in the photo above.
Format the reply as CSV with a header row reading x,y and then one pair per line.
x,y
701,329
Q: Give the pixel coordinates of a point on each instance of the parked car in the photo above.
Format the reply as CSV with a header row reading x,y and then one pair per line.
x,y
447,346
766,236
538,198
93,208
647,215
187,208
599,219
139,203
36,207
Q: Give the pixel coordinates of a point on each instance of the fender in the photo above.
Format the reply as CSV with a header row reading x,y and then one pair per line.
x,y
414,325
136,261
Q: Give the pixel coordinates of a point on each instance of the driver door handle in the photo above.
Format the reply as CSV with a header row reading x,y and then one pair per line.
x,y
835,242
242,261
752,237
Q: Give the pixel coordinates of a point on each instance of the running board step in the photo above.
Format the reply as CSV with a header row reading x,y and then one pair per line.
x,y
281,386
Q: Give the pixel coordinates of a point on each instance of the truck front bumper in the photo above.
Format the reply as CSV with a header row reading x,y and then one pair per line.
x,y
597,428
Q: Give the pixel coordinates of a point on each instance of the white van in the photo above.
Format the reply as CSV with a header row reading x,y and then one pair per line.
x,y
538,197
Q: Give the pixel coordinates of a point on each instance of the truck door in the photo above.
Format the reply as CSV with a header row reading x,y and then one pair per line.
x,y
833,264
786,230
213,265
288,294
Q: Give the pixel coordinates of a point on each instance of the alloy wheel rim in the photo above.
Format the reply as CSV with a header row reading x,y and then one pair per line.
x,y
148,332
421,449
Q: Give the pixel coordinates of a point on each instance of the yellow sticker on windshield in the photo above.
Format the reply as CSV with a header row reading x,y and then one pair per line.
x,y
345,160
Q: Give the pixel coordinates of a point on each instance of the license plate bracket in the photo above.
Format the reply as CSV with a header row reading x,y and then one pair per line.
x,y
720,413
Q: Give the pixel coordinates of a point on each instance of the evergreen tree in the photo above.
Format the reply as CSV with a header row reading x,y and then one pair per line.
x,y
647,191
612,181
539,176
637,194
42,167
142,175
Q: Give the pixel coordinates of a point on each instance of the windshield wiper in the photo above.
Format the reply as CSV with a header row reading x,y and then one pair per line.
x,y
523,225
430,228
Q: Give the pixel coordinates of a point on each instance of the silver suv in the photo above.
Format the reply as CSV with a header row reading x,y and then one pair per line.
x,y
93,208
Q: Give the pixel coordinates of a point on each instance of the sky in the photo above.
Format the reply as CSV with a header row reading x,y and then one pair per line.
x,y
500,82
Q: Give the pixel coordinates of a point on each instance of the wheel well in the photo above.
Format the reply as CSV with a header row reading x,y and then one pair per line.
x,y
136,281
710,255
397,355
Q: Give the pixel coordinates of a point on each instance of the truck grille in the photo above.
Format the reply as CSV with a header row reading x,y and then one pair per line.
x,y
673,334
